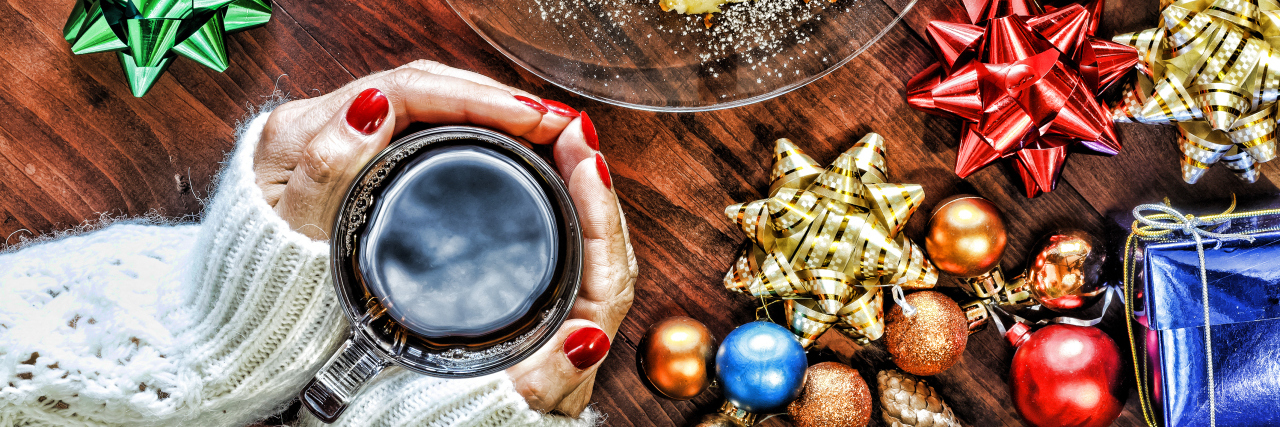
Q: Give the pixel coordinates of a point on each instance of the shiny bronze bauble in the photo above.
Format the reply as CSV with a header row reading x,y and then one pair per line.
x,y
930,341
966,236
834,395
1067,375
677,355
1064,270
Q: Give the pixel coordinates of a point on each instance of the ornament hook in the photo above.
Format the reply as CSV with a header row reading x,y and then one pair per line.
x,y
901,299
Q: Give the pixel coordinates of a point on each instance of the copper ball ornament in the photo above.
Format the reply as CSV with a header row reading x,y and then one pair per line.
x,y
930,341
966,236
676,356
834,395
1065,269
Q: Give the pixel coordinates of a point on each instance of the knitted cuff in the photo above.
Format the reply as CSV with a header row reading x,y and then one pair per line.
x,y
402,398
259,314
264,318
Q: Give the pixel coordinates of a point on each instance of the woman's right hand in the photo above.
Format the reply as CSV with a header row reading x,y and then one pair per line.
x,y
311,151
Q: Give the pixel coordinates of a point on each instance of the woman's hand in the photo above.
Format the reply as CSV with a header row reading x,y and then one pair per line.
x,y
560,376
312,149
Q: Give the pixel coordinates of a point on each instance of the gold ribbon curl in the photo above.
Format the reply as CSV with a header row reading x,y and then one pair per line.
x,y
1212,67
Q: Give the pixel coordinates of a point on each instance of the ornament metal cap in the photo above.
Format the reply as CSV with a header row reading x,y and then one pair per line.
x,y
1017,334
729,416
976,313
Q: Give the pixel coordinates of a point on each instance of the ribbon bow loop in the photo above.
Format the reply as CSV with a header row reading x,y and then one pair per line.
x,y
1170,220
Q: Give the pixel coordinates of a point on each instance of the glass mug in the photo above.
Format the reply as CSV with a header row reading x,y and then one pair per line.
x,y
456,253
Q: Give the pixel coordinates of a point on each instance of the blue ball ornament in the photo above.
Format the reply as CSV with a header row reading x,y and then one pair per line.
x,y
761,367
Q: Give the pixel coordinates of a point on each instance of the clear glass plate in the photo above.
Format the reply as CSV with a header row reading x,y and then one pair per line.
x,y
631,53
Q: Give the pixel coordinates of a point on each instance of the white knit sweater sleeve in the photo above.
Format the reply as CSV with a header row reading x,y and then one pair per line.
x,y
216,325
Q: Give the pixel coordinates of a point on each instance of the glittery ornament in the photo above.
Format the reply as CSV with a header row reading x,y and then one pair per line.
x,y
930,341
834,395
907,401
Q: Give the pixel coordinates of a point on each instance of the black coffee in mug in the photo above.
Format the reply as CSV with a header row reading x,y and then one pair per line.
x,y
461,243
456,253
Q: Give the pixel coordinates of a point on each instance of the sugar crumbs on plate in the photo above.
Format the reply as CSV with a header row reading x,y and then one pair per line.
x,y
754,31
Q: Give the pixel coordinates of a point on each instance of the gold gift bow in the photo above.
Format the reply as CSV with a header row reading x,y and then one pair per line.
x,y
832,235
1219,87
1159,227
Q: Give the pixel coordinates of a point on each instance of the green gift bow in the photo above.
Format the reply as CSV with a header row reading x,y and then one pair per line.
x,y
148,34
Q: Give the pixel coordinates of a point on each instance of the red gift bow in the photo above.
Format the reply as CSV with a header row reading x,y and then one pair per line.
x,y
1025,79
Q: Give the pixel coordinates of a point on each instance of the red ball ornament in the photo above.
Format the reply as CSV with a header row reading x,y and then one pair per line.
x,y
1066,375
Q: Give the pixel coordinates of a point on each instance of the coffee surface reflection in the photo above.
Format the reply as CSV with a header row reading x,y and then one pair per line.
x,y
460,243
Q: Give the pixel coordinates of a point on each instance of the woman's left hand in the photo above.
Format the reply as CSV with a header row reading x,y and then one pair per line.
x,y
311,149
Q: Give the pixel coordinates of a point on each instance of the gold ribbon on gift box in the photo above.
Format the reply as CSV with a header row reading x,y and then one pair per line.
x,y
1162,226
827,240
1212,67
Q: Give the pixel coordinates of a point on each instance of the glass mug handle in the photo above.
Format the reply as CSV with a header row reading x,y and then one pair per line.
x,y
329,392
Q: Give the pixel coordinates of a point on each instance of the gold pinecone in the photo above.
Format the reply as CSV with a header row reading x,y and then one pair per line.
x,y
907,401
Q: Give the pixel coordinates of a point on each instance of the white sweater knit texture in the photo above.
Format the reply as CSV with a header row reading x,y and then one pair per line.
x,y
216,324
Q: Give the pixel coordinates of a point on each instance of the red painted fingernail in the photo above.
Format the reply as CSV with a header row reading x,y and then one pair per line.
x,y
368,111
586,346
603,169
589,132
559,108
532,104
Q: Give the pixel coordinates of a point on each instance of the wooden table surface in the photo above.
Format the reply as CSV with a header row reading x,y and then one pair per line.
x,y
76,147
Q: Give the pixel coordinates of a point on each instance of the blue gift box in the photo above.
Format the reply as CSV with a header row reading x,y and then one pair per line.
x,y
1242,359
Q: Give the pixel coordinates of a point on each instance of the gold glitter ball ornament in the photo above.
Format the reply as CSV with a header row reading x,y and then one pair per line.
x,y
907,401
930,341
834,395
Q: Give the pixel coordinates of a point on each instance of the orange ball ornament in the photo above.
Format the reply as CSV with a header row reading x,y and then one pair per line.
x,y
932,340
966,236
834,395
677,356
1065,270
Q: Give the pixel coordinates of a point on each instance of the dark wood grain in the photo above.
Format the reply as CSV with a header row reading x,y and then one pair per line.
x,y
76,146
